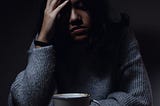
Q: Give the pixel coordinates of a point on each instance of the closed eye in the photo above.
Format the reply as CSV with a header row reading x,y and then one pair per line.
x,y
80,5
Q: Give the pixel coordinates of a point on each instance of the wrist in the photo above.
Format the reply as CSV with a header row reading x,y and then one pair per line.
x,y
42,37
40,44
45,36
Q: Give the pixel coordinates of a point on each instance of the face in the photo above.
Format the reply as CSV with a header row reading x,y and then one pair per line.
x,y
79,20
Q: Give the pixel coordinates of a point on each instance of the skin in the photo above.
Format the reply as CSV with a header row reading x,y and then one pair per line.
x,y
79,17
79,20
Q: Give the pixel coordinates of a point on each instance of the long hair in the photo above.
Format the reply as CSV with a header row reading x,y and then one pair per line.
x,y
106,29
108,26
103,45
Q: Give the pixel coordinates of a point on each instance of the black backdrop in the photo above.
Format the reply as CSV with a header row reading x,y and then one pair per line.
x,y
18,19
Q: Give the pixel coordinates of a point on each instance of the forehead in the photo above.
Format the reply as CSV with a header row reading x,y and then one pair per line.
x,y
75,1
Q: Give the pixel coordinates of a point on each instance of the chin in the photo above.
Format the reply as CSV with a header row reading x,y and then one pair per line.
x,y
80,37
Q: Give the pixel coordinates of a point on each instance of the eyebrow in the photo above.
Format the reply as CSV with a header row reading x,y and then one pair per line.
x,y
77,2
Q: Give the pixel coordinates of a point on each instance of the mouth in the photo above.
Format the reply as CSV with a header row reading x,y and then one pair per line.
x,y
79,30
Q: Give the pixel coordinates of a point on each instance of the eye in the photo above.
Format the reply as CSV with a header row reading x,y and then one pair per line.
x,y
81,6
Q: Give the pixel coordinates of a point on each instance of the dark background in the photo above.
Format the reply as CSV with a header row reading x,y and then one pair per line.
x,y
18,19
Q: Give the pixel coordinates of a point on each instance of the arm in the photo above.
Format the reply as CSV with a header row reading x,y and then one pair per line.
x,y
35,85
134,86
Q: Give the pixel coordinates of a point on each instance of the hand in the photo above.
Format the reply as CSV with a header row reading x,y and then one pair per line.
x,y
53,7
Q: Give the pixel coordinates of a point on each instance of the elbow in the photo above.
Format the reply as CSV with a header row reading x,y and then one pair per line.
x,y
143,100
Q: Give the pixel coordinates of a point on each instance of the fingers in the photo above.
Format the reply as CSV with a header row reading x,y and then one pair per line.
x,y
51,5
54,4
59,7
48,3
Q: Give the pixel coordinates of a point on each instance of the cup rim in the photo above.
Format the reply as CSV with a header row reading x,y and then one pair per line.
x,y
72,95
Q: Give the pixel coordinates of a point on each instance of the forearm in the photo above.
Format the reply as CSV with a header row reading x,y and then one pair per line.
x,y
124,99
133,82
35,85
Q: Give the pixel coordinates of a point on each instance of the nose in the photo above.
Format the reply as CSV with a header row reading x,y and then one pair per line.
x,y
74,16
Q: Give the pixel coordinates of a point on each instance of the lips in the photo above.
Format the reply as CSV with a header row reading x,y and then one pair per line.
x,y
78,30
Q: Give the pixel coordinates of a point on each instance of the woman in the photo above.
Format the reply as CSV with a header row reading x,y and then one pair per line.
x,y
79,48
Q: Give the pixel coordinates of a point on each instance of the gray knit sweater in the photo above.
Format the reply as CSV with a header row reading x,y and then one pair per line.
x,y
127,85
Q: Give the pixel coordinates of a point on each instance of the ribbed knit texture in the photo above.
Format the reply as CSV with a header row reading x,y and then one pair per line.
x,y
35,85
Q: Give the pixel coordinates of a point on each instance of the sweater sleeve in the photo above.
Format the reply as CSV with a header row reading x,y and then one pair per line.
x,y
134,85
35,85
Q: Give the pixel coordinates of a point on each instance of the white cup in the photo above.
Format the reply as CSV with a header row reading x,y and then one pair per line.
x,y
73,99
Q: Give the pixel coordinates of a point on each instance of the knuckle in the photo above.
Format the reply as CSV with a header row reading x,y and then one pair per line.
x,y
50,15
59,7
46,11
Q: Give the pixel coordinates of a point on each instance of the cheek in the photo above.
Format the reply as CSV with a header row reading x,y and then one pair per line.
x,y
86,18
